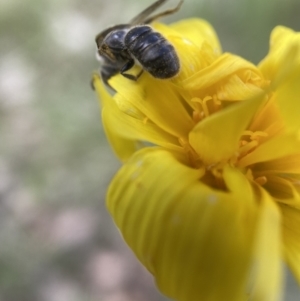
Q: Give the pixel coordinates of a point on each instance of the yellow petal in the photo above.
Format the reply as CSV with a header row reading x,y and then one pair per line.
x,y
283,189
123,147
287,98
266,282
193,54
291,234
268,120
104,97
220,69
238,184
197,242
198,31
235,89
275,148
267,270
289,165
124,130
155,99
216,138
284,54
196,43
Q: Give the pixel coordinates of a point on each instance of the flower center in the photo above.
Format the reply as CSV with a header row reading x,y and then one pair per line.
x,y
205,106
249,142
213,173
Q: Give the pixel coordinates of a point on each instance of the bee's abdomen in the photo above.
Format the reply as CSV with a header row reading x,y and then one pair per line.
x,y
153,51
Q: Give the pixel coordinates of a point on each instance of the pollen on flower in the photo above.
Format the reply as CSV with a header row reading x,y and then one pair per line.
x,y
206,105
203,103
246,147
261,180
217,170
197,116
249,174
250,141
255,135
191,154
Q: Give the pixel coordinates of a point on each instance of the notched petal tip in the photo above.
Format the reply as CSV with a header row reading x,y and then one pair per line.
x,y
283,56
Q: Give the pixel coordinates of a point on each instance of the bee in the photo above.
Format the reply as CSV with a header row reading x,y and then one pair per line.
x,y
122,46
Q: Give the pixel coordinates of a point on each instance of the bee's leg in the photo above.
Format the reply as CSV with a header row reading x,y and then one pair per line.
x,y
128,66
140,73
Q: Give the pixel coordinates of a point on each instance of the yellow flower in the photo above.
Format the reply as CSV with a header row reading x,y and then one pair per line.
x,y
208,197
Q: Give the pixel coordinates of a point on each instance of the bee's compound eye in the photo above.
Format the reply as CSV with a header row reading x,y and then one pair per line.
x,y
118,35
105,53
115,40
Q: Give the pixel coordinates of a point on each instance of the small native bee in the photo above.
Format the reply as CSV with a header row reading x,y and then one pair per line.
x,y
121,46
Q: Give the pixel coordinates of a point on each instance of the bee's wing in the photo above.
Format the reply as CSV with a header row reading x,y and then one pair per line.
x,y
142,17
164,13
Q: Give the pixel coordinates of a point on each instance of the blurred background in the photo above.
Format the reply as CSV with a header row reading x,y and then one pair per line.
x,y
57,241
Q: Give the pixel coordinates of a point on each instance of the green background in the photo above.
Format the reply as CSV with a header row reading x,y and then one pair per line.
x,y
57,241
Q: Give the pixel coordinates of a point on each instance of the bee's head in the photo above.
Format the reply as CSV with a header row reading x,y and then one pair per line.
x,y
110,44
